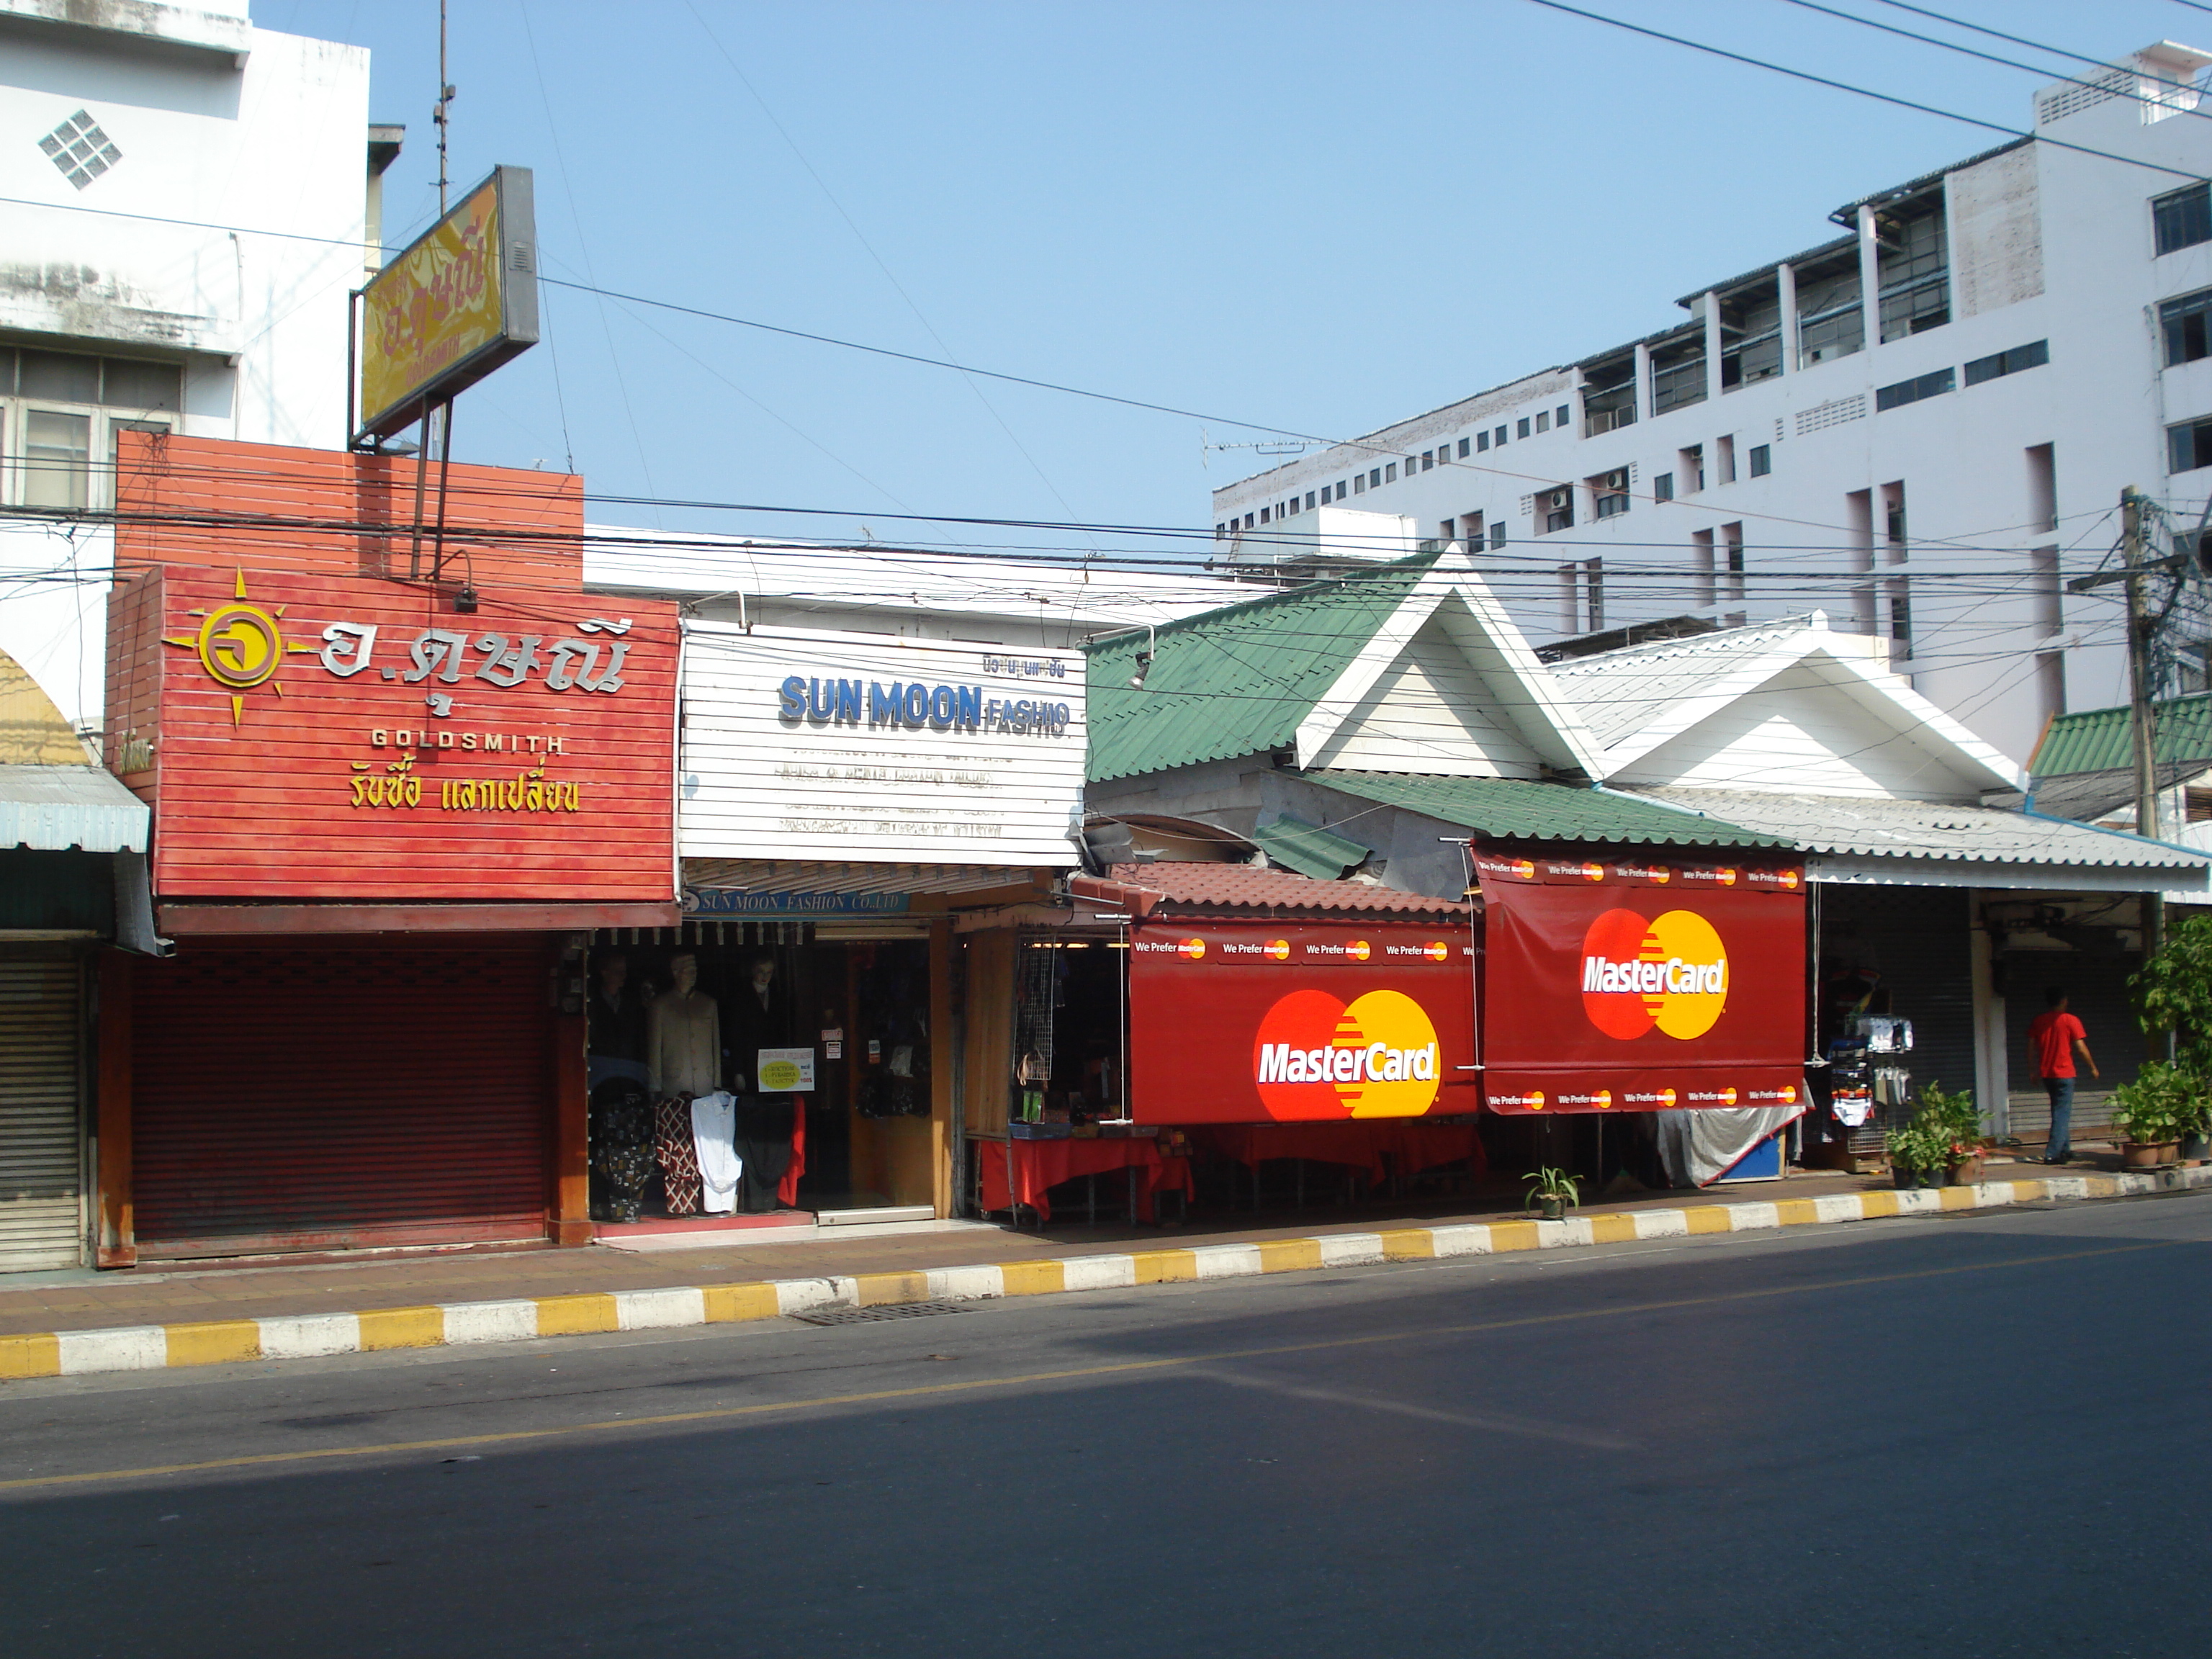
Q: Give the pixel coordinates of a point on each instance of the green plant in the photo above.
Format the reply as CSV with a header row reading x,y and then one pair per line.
x,y
1951,1117
1548,1183
1919,1146
2163,1104
2174,994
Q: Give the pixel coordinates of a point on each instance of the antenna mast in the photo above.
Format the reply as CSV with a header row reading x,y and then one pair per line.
x,y
439,114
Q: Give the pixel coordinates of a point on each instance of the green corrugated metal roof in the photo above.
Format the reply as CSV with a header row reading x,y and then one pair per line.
x,y
2098,739
1310,849
1236,681
1508,809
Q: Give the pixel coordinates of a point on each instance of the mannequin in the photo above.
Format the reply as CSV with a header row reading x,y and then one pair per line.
x,y
755,1021
684,1034
616,1017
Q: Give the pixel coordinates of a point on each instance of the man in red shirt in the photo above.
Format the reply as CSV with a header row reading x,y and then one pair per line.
x,y
2054,1037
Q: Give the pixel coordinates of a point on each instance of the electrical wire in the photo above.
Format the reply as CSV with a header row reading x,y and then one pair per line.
x,y
1862,91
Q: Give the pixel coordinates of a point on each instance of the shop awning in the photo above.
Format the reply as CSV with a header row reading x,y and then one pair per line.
x,y
1233,890
1310,849
1928,843
1512,809
58,808
797,877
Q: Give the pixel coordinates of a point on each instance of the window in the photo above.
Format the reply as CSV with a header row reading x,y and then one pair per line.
x,y
1608,395
1724,459
1481,441
1428,460
1221,531
1543,420
1913,262
2183,322
1359,484
1559,415
2020,357
2189,446
2181,218
1248,520
1911,391
1732,539
1678,374
1498,534
1375,478
1751,334
1831,322
1310,499
1762,460
59,415
1462,448
1555,507
1340,489
1263,516
1691,464
1522,427
1610,491
1391,473
1498,437
1663,486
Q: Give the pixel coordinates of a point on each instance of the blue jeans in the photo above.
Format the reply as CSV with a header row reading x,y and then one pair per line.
x,y
2061,1091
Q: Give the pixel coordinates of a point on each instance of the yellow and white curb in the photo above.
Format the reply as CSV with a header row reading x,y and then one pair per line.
x,y
153,1347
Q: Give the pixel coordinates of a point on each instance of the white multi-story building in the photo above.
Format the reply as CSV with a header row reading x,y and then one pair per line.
x,y
1922,425
188,200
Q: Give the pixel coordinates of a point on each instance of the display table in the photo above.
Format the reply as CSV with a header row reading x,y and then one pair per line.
x,y
1382,1147
1022,1171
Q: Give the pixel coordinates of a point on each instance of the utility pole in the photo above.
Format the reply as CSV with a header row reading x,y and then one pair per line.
x,y
2141,721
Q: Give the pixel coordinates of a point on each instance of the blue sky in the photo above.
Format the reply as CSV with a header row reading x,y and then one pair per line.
x,y
1321,216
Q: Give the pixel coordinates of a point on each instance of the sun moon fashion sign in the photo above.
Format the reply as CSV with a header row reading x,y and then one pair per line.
x,y
321,737
1614,986
1298,1021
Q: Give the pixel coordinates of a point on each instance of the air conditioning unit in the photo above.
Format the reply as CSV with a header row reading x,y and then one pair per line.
x,y
1617,479
1557,498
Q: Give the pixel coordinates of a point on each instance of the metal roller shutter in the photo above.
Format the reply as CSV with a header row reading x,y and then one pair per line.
x,y
1917,939
341,1093
42,1203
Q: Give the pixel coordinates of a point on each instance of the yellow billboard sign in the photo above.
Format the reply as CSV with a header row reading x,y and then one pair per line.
x,y
461,300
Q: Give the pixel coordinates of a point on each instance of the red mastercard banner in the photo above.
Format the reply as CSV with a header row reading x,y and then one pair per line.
x,y
1300,1022
1642,988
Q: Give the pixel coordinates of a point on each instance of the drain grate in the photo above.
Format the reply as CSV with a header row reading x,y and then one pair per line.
x,y
870,1316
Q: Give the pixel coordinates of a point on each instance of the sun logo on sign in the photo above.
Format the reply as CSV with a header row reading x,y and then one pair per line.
x,y
240,646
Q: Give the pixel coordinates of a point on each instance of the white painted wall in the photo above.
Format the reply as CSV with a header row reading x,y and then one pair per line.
x,y
1429,712
2045,244
274,144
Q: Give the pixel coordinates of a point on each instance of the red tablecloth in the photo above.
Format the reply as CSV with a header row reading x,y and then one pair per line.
x,y
1039,1165
1379,1146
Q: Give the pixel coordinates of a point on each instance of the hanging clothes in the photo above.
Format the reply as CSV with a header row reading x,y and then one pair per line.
x,y
714,1137
676,1151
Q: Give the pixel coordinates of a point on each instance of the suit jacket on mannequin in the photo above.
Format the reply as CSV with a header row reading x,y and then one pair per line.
x,y
683,1043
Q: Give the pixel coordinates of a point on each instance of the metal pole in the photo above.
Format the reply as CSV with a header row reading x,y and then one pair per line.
x,y
445,461
2142,718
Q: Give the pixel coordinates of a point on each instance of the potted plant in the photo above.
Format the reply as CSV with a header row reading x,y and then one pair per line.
x,y
1919,1154
1554,1189
2163,1104
1951,1117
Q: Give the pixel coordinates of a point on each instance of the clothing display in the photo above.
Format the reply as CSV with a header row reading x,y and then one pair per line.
x,y
683,1043
676,1148
622,1149
714,1126
764,1138
615,1025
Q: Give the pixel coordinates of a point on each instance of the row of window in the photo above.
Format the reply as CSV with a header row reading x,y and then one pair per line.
x,y
1937,382
61,411
1375,478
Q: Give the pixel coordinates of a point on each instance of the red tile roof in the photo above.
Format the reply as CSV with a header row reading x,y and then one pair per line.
x,y
1187,888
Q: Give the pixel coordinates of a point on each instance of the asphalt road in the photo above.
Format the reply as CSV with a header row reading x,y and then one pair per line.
x,y
1968,1436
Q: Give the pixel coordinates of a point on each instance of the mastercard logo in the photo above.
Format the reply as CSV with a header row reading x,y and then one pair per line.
x,y
1669,972
1790,878
1279,949
1726,877
1535,1100
1727,1097
1376,1056
1192,948
1593,872
1660,876
1525,869
1357,950
1602,1099
1666,1097
1437,950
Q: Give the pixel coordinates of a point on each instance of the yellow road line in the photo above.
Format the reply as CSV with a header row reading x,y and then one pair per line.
x,y
779,1407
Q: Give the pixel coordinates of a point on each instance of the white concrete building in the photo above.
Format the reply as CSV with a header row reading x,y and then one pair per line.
x,y
1922,425
188,199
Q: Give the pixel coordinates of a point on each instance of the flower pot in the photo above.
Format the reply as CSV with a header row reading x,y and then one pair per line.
x,y
2195,1149
1555,1209
1967,1172
2147,1154
1903,1176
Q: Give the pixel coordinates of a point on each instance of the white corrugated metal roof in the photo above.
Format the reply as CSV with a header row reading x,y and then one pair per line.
x,y
1876,828
56,808
1621,692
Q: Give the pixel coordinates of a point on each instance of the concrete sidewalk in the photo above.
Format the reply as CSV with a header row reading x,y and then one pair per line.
x,y
242,1315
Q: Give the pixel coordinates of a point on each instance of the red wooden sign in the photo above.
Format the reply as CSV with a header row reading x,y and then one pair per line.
x,y
1238,1022
316,737
1642,987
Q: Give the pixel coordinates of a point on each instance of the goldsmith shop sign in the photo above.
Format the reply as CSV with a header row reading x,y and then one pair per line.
x,y
311,736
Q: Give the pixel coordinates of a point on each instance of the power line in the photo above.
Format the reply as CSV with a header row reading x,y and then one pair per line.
x,y
1862,92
